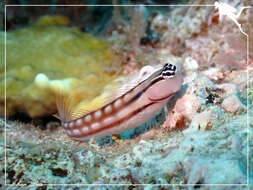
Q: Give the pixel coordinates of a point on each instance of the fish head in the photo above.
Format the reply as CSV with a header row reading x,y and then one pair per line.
x,y
166,84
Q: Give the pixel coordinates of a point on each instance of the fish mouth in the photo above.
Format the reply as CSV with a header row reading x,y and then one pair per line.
x,y
161,99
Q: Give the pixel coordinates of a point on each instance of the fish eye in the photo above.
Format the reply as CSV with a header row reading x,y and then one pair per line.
x,y
169,70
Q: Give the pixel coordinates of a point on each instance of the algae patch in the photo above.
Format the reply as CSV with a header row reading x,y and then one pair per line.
x,y
59,53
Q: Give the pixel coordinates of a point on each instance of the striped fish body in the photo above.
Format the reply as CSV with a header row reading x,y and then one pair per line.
x,y
130,109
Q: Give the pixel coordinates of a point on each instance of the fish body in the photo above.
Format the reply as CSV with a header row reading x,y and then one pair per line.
x,y
129,109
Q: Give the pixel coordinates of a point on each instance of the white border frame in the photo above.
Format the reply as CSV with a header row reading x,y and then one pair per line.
x,y
186,185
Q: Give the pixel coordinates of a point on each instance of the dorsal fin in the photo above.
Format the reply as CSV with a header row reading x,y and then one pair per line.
x,y
84,107
66,103
56,115
73,105
63,106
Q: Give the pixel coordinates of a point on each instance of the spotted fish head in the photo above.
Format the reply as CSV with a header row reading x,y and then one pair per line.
x,y
169,70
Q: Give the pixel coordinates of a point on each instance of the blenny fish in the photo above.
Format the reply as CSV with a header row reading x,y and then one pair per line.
x,y
127,108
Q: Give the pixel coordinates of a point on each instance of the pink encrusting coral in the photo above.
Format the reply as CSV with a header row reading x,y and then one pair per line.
x,y
185,108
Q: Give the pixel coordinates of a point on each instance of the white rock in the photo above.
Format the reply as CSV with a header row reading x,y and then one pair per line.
x,y
41,80
214,73
190,64
206,120
202,121
232,104
228,88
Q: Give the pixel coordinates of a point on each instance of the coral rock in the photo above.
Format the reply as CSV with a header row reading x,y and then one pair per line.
x,y
190,64
60,54
202,121
188,105
210,119
174,121
228,89
215,74
232,104
185,108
